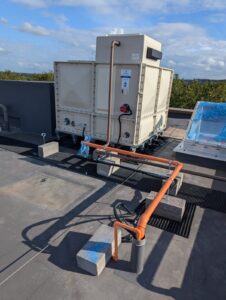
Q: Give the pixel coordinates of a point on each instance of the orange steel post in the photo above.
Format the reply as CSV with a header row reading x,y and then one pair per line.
x,y
144,218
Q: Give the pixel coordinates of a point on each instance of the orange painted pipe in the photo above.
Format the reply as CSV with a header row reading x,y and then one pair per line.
x,y
113,45
117,225
144,218
132,154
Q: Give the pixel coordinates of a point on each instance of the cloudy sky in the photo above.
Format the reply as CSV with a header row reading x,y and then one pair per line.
x,y
34,33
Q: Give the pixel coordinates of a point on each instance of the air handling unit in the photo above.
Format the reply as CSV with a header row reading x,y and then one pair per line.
x,y
122,97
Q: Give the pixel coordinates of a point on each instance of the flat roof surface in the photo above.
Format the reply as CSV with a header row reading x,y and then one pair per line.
x,y
49,210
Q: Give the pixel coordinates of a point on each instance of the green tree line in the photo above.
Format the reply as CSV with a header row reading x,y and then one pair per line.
x,y
185,93
9,75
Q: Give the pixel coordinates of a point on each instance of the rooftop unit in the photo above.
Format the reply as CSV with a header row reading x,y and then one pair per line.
x,y
140,92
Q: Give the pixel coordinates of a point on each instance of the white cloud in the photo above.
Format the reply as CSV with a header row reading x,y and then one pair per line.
x,y
134,8
3,51
3,20
36,30
39,67
32,3
214,4
217,18
153,6
171,62
215,62
89,3
26,57
117,31
60,19
186,48
189,50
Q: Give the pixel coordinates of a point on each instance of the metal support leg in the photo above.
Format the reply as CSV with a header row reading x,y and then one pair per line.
x,y
74,138
57,134
137,255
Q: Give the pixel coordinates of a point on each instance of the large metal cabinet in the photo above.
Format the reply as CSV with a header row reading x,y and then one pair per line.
x,y
81,91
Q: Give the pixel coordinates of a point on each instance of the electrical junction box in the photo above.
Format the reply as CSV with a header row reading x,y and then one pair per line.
x,y
81,91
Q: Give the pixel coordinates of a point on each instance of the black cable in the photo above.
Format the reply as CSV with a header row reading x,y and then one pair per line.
x,y
120,123
83,131
154,175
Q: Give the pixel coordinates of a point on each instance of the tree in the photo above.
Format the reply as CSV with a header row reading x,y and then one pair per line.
x,y
186,94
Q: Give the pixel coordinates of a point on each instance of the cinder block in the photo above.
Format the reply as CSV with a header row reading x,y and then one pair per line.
x,y
48,149
106,170
174,189
170,207
95,254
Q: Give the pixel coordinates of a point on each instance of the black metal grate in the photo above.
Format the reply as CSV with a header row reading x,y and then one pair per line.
x,y
179,228
194,195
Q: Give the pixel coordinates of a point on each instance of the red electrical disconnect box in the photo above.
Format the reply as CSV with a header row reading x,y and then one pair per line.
x,y
125,108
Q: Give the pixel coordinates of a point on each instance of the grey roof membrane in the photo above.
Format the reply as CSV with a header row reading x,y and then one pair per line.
x,y
49,211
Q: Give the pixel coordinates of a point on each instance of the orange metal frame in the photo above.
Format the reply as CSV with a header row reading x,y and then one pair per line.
x,y
140,229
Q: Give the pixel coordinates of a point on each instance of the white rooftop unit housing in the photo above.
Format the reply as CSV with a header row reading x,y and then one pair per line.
x,y
138,84
134,49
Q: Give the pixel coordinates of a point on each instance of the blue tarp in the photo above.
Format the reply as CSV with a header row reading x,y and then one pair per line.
x,y
208,123
84,149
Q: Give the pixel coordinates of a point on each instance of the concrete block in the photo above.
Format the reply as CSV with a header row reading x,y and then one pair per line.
x,y
174,189
170,207
97,154
48,149
106,170
95,254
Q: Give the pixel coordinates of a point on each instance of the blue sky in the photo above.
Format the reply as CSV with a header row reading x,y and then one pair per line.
x,y
35,33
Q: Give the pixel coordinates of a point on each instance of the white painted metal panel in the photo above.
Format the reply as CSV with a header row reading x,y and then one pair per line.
x,y
164,89
150,90
100,125
74,85
146,129
161,121
102,88
77,122
128,94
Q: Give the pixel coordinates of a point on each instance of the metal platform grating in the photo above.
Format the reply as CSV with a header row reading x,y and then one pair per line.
x,y
179,228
